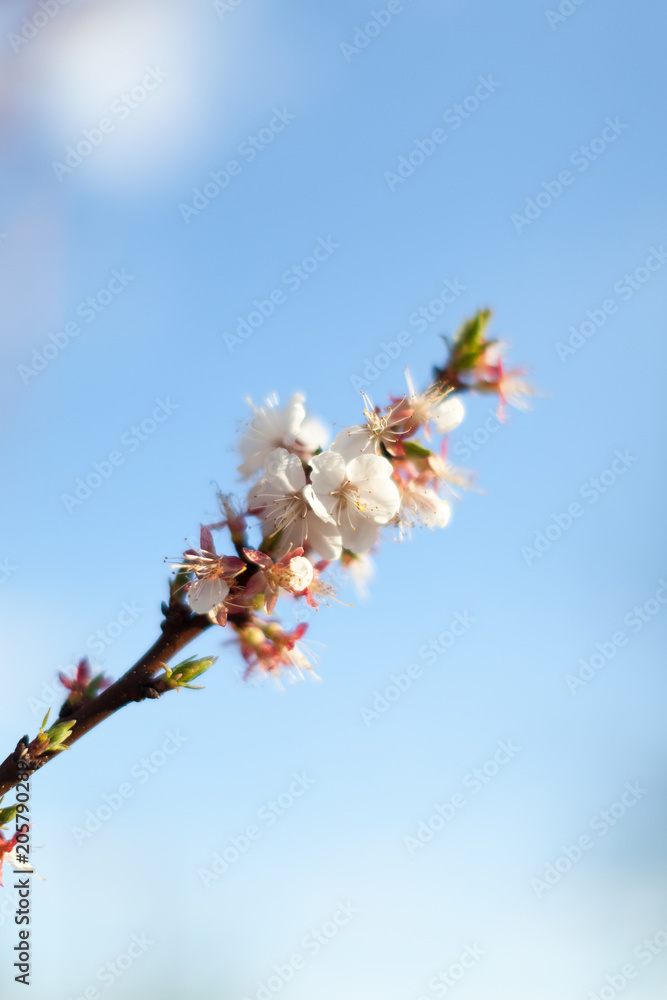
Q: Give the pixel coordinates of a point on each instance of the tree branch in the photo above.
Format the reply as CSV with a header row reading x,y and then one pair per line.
x,y
178,629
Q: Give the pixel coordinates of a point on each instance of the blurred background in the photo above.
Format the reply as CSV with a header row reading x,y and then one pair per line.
x,y
167,166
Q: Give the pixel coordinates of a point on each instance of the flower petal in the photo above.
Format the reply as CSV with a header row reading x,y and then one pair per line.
x,y
293,416
257,557
312,434
328,472
324,537
382,499
206,594
269,429
232,565
359,532
206,540
315,503
368,467
353,442
447,415
255,585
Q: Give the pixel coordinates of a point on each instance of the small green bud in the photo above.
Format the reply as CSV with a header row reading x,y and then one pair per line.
x,y
413,449
8,814
56,735
254,636
469,342
188,671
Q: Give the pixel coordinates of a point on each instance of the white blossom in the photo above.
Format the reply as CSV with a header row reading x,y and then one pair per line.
x,y
444,413
422,505
368,438
286,503
446,476
294,576
447,414
359,494
312,435
272,427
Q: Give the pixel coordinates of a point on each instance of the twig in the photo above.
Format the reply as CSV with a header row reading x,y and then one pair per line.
x,y
178,629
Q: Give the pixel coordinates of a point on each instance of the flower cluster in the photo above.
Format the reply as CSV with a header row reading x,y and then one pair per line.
x,y
213,589
477,363
316,505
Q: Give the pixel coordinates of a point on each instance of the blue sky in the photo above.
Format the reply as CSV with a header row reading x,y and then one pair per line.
x,y
171,93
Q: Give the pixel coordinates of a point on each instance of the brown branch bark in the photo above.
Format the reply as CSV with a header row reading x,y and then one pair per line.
x,y
180,626
178,629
